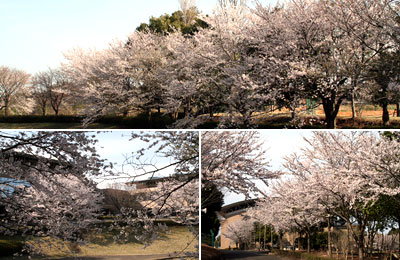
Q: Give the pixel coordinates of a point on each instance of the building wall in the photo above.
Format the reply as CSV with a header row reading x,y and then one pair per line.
x,y
226,242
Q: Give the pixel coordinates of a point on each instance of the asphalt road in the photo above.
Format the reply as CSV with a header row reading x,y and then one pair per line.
x,y
247,255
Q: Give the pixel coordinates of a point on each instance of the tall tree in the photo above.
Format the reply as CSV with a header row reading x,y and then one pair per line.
x,y
234,161
365,163
51,86
45,184
177,195
13,89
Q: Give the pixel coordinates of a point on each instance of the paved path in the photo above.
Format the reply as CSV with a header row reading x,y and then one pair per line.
x,y
247,255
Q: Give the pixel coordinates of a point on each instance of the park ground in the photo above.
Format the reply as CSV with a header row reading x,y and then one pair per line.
x,y
369,117
175,242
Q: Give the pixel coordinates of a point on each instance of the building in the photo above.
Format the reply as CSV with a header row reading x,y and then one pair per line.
x,y
230,214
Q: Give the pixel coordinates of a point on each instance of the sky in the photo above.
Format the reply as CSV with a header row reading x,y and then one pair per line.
x,y
115,146
35,34
277,144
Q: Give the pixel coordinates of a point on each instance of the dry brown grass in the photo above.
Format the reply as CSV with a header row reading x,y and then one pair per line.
x,y
177,239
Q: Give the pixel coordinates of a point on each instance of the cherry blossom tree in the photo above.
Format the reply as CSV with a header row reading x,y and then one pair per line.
x,y
146,57
325,50
14,92
120,79
291,207
176,195
213,70
240,232
100,82
234,161
338,174
242,62
46,188
366,166
365,24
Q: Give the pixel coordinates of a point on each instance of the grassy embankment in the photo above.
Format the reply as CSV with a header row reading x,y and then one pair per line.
x,y
175,240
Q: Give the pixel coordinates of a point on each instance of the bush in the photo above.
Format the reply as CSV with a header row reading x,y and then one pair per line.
x,y
158,120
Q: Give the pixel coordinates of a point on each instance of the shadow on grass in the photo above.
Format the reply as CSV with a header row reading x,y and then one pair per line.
x,y
109,237
164,121
10,245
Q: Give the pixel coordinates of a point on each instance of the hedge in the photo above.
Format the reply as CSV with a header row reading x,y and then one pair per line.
x,y
158,120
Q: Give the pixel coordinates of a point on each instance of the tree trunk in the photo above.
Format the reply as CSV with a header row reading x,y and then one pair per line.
x,y
351,251
398,109
329,238
385,114
188,107
265,235
331,109
398,224
6,108
259,237
299,243
353,106
348,243
360,243
280,241
330,121
308,242
148,115
272,238
159,109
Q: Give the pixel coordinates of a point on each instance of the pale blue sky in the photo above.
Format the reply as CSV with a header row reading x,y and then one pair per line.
x,y
34,34
277,144
116,145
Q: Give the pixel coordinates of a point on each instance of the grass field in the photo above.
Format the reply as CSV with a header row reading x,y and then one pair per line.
x,y
177,239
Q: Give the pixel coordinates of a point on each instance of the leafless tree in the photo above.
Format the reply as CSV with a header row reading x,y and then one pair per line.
x,y
12,83
188,8
52,86
231,2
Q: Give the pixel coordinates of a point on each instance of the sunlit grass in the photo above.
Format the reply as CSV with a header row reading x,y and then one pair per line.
x,y
176,240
